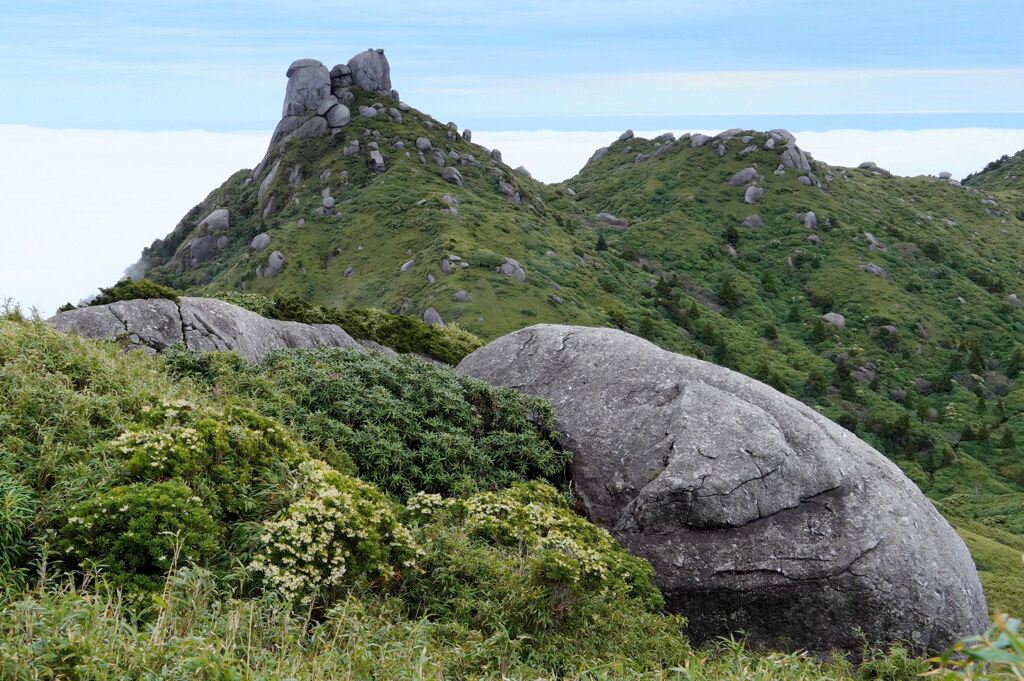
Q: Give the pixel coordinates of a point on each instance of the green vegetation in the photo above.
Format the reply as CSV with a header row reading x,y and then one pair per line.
x,y
130,289
196,516
401,333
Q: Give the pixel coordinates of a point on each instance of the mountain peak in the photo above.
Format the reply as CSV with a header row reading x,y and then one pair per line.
x,y
316,101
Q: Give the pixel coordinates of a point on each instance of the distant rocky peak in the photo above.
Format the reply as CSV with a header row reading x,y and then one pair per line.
x,y
316,100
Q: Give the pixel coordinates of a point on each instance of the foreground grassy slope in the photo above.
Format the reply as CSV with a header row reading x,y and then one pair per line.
x,y
146,500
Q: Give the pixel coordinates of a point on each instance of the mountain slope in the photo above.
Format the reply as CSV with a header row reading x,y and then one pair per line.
x,y
891,304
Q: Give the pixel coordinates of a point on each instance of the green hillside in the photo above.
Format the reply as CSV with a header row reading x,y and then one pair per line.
x,y
926,367
1005,173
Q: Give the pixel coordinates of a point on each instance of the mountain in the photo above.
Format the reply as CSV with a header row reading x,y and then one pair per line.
x,y
890,304
1005,173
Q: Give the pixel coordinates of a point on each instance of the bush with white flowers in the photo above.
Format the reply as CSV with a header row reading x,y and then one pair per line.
x,y
342,529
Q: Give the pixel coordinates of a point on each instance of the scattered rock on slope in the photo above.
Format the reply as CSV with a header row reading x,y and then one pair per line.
x,y
200,323
757,513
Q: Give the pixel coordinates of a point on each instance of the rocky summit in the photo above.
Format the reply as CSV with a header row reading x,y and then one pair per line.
x,y
757,513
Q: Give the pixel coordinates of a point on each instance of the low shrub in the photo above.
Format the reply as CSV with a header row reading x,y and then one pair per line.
x,y
410,426
340,530
136,533
131,289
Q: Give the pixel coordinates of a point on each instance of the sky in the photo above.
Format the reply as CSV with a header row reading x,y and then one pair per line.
x,y
119,116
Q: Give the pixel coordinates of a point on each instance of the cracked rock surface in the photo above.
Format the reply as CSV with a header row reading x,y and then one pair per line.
x,y
757,513
200,323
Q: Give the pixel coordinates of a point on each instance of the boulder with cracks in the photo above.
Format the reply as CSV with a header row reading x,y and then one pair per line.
x,y
757,513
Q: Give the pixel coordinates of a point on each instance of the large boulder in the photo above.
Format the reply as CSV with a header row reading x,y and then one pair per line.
x,y
370,71
309,84
200,323
757,513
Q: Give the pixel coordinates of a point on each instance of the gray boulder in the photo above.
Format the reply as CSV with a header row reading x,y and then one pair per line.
x,y
628,135
309,83
743,177
200,323
753,222
698,140
432,317
407,265
260,242
835,319
424,145
512,268
810,220
367,112
756,512
454,176
945,175
198,250
371,71
467,135
794,157
461,297
874,243
338,116
217,221
376,162
311,129
593,157
752,194
610,219
274,264
872,268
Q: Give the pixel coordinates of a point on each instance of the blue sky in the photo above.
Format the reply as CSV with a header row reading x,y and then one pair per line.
x,y
564,65
97,95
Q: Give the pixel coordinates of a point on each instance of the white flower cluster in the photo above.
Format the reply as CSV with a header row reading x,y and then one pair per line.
x,y
342,527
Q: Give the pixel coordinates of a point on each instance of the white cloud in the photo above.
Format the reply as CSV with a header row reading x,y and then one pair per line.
x,y
81,204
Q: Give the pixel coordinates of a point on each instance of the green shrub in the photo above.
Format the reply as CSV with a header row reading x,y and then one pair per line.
x,y
231,457
410,426
342,529
261,305
130,289
566,551
137,533
17,510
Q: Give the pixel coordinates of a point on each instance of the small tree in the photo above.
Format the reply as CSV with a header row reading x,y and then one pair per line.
x,y
727,293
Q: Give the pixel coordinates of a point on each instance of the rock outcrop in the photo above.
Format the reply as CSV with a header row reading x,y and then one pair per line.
x,y
757,513
200,323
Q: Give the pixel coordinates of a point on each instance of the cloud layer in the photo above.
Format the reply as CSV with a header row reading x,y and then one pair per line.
x,y
81,204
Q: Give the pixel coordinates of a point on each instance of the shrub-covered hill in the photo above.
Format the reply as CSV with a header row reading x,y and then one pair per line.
x,y
321,514
1005,173
382,241
924,362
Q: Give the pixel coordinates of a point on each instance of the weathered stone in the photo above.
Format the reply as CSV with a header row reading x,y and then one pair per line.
x,y
371,71
467,135
872,268
698,140
274,264
349,271
217,221
512,268
267,181
260,242
201,324
407,265
794,157
753,222
743,177
810,220
757,513
610,219
945,175
596,155
309,83
198,250
835,319
424,145
446,265
367,112
350,149
523,171
874,244
461,297
338,116
432,317
752,194
628,135
454,176
376,162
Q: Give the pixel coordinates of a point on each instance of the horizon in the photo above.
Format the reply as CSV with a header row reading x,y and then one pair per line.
x,y
160,93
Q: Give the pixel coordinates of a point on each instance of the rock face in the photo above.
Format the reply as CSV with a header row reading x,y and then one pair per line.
x,y
371,72
309,84
200,323
757,513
